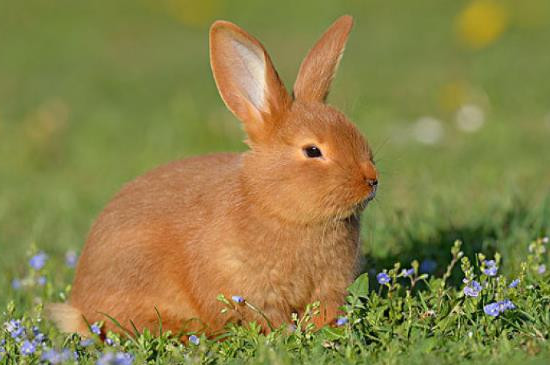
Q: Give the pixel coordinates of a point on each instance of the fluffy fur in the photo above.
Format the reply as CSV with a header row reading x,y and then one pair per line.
x,y
270,224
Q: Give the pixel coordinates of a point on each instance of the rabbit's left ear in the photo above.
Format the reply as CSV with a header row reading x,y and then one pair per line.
x,y
246,78
319,66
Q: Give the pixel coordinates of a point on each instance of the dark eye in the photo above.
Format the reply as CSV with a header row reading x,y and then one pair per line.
x,y
312,152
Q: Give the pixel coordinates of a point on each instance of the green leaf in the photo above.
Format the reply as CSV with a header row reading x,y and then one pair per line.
x,y
331,333
360,287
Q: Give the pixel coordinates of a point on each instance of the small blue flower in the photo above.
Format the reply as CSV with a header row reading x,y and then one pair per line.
x,y
472,289
408,272
95,329
541,269
71,258
383,278
28,348
54,357
506,304
341,321
15,329
16,284
237,299
86,342
514,283
109,341
41,281
491,267
428,266
38,261
492,309
194,340
39,337
119,358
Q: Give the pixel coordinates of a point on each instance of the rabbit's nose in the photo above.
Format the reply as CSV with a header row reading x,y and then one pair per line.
x,y
373,183
370,175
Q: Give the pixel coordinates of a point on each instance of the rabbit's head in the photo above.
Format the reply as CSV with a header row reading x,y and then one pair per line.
x,y
308,162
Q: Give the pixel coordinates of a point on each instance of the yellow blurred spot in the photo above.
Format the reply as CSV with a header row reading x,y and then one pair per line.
x,y
45,123
481,23
194,13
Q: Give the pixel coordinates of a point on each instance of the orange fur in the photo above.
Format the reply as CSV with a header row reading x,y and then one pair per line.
x,y
270,224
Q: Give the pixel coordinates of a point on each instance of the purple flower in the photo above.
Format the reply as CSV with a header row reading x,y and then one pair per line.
x,y
15,329
119,358
237,299
109,341
408,272
514,283
16,284
505,305
541,269
39,337
41,281
194,340
38,261
54,357
428,266
71,258
494,309
341,321
383,278
95,329
491,309
472,289
28,348
491,267
86,342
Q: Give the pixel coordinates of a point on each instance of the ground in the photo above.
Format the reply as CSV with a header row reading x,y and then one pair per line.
x,y
452,97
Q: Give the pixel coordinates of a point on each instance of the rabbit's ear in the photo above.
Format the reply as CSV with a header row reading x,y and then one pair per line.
x,y
319,66
245,76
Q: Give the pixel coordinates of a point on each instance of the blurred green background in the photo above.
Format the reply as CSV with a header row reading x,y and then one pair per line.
x,y
454,97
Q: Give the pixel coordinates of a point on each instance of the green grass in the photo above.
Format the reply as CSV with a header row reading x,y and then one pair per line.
x,y
93,94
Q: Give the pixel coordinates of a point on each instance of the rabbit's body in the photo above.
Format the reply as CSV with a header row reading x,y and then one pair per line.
x,y
277,225
153,250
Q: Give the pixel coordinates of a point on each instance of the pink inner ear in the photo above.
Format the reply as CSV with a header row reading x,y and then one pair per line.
x,y
246,79
249,73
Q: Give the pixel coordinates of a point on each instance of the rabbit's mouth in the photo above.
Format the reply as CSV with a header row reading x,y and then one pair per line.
x,y
363,203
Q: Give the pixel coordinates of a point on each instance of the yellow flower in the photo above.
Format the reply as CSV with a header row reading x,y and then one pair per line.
x,y
481,23
194,13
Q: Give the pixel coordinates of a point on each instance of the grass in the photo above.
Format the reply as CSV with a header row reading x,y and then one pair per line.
x,y
93,94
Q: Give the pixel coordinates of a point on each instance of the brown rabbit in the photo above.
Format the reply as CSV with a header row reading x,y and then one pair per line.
x,y
277,225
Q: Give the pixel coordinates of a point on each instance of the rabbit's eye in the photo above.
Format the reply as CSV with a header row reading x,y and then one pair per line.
x,y
312,152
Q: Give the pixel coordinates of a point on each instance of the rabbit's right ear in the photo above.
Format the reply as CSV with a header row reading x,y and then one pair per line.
x,y
246,78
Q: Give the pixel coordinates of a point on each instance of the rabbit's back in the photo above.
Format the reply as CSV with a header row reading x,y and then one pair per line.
x,y
143,243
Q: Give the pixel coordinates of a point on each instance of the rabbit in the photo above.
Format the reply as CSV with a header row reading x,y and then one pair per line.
x,y
277,225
